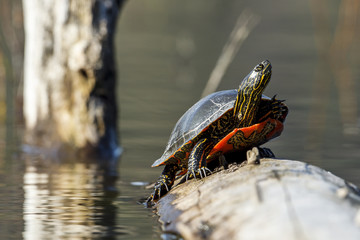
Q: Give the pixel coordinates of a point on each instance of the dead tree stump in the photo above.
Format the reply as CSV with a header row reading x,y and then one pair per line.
x,y
70,77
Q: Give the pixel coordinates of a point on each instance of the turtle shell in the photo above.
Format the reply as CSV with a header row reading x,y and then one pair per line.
x,y
197,118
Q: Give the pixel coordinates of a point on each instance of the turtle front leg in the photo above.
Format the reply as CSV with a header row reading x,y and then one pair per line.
x,y
165,182
197,159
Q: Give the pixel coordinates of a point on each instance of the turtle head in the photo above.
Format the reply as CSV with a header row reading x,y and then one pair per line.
x,y
257,80
249,93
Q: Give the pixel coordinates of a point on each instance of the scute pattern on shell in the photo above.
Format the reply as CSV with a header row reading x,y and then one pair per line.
x,y
198,117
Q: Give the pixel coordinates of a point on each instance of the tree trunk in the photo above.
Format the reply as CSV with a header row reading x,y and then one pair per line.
x,y
278,199
69,73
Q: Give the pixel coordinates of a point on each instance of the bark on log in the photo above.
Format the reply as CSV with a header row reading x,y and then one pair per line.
x,y
69,73
277,199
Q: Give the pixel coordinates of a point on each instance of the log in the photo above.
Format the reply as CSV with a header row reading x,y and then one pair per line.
x,y
276,199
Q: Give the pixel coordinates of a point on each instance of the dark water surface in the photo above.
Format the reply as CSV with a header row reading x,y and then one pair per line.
x,y
166,51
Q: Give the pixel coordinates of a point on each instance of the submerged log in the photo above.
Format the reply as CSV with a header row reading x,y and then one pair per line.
x,y
276,199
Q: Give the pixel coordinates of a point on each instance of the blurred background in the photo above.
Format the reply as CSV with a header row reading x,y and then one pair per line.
x,y
166,52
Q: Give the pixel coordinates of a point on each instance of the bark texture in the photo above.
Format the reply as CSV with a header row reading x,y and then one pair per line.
x,y
278,199
69,73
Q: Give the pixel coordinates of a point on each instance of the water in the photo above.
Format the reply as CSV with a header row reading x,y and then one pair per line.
x,y
165,52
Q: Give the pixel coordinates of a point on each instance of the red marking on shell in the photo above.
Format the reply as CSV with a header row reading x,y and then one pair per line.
x,y
223,145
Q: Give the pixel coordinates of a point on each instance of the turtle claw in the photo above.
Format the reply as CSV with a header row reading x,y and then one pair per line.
x,y
160,189
198,173
276,100
162,186
207,170
202,171
190,174
156,193
193,173
166,186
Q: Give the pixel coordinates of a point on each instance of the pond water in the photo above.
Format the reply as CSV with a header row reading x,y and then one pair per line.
x,y
166,51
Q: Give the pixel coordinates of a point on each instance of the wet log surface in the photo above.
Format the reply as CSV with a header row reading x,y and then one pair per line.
x,y
276,199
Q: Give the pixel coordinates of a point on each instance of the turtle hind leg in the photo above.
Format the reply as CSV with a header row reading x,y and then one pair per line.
x,y
266,153
223,162
197,159
164,182
275,109
278,108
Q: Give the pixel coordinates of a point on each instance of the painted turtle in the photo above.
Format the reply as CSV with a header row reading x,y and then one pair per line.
x,y
225,121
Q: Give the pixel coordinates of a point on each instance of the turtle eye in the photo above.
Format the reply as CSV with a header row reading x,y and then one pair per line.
x,y
259,67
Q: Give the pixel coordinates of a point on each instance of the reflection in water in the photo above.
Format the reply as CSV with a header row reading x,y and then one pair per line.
x,y
68,201
346,28
334,50
185,49
244,24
